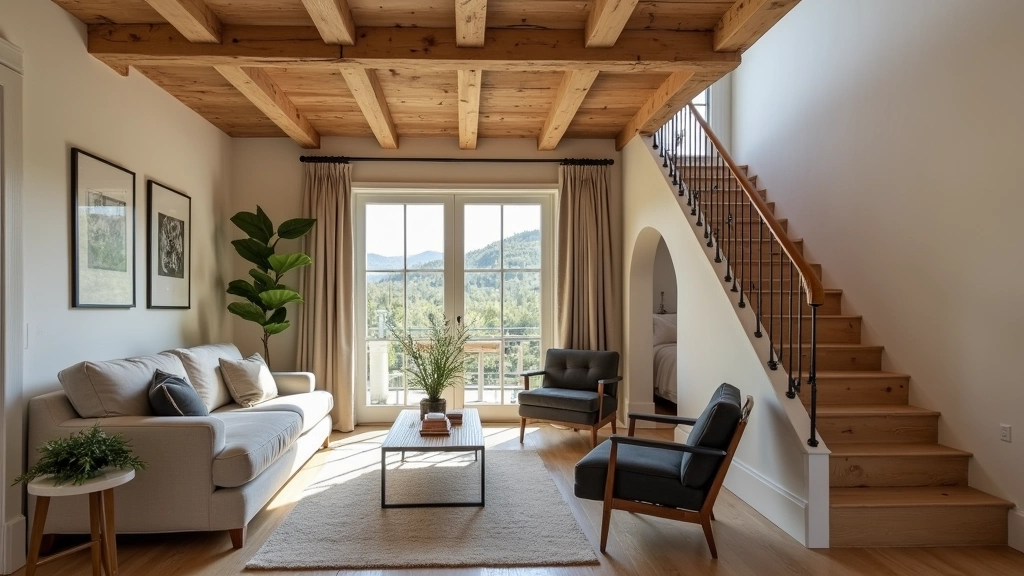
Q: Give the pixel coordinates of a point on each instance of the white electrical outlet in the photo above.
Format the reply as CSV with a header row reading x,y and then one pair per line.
x,y
1004,433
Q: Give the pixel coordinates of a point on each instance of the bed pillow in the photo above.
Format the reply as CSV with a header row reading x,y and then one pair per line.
x,y
664,329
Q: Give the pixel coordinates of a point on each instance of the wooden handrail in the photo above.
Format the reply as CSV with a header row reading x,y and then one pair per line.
x,y
812,284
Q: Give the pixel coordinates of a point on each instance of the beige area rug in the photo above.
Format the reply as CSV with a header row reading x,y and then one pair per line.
x,y
339,522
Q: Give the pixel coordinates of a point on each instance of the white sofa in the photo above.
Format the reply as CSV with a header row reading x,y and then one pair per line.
x,y
204,473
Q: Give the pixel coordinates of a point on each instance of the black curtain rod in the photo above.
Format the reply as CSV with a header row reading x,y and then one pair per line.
x,y
564,161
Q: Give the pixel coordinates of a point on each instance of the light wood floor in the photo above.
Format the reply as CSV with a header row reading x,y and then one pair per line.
x,y
747,543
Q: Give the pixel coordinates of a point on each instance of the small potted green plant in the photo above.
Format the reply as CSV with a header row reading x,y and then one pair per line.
x,y
82,456
436,362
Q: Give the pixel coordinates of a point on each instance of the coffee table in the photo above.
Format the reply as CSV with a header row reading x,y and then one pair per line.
x,y
404,436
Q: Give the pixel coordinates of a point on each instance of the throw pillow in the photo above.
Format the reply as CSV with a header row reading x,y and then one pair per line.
x,y
249,381
172,395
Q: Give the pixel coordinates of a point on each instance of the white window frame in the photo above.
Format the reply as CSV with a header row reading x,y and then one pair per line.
x,y
453,198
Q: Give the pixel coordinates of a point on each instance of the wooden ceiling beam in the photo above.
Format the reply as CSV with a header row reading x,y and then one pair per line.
x,y
470,22
333,19
747,20
417,49
193,18
606,21
368,94
469,107
661,105
262,91
571,92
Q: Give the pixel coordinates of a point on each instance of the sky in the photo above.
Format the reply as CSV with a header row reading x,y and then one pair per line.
x,y
425,226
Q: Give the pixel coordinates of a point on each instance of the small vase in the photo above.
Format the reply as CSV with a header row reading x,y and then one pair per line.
x,y
428,405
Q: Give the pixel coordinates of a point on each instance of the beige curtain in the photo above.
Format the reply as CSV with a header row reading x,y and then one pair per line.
x,y
588,294
327,326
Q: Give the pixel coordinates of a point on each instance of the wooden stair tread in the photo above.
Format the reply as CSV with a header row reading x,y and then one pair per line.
x,y
846,410
895,450
831,346
909,497
855,375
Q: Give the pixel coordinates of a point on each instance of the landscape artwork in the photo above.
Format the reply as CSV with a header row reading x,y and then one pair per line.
x,y
103,222
169,247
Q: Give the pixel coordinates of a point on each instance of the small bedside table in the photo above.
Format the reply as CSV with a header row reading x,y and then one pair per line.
x,y
101,518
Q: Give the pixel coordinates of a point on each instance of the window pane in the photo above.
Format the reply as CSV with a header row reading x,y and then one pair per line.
x,y
522,304
521,231
385,236
385,297
483,304
483,372
425,299
483,236
425,236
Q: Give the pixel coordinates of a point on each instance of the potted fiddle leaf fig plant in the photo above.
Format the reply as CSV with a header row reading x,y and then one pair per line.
x,y
437,362
81,456
265,295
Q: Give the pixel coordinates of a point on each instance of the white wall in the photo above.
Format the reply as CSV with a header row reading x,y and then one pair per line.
x,y
890,134
268,172
772,470
71,99
664,280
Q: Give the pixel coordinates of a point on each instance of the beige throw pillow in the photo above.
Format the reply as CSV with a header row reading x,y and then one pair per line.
x,y
249,381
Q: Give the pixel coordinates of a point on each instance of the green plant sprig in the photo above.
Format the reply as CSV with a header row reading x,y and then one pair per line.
x,y
265,295
436,362
82,456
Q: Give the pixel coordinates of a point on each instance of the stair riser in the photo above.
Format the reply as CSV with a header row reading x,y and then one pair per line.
x,y
833,302
830,330
763,251
860,471
707,192
738,206
902,428
847,391
862,359
704,170
766,269
918,526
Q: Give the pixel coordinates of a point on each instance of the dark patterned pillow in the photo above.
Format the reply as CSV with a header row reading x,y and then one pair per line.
x,y
172,395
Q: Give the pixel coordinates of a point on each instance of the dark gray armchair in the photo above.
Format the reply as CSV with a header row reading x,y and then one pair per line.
x,y
666,479
580,389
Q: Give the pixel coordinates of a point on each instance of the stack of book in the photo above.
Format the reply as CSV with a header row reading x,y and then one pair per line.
x,y
434,424
455,417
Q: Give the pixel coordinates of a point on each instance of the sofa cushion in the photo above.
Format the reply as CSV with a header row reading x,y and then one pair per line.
x,y
252,442
310,406
714,429
171,395
116,387
202,364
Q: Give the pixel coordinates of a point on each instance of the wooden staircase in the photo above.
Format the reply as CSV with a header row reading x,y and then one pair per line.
x,y
891,482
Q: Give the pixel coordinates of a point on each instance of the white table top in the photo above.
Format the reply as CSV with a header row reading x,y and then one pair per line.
x,y
43,486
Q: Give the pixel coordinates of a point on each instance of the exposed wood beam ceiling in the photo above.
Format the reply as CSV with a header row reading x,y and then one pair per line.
x,y
193,18
541,69
606,21
748,20
470,22
333,19
469,107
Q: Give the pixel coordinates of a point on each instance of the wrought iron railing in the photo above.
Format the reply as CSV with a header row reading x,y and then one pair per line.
x,y
764,266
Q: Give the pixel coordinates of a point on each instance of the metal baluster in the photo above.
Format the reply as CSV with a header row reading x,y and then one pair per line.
x,y
706,182
673,169
654,141
772,363
760,276
812,378
800,336
791,392
696,209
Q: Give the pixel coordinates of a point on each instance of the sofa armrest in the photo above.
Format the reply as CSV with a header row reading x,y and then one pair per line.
x,y
294,382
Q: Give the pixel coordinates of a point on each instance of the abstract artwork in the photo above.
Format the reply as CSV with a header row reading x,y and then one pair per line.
x,y
170,247
103,218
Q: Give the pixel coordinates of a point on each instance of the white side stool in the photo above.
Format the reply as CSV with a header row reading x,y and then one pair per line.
x,y
101,519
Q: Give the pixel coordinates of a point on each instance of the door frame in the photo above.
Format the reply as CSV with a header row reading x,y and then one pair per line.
x,y
12,519
453,197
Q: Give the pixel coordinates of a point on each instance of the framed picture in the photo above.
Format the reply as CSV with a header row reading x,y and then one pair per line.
x,y
103,235
170,247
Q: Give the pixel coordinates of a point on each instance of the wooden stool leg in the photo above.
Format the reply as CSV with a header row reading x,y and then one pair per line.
x,y
96,528
109,533
42,505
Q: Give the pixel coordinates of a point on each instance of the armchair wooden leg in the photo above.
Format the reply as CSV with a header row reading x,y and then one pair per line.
x,y
606,520
614,428
593,437
709,534
238,537
522,429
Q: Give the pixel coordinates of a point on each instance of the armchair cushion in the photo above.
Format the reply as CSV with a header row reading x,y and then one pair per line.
x,y
565,399
580,369
714,429
641,473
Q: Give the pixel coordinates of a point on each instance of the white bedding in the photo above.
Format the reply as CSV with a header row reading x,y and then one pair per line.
x,y
665,371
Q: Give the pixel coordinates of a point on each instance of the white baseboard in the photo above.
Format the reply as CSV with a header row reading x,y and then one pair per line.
x,y
780,506
1015,523
13,540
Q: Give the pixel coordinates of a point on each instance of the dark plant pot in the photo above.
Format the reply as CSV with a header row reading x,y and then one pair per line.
x,y
428,405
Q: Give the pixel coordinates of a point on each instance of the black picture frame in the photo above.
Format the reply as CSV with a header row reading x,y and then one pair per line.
x,y
168,248
102,233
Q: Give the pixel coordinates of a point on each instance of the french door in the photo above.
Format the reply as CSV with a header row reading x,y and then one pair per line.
x,y
483,259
